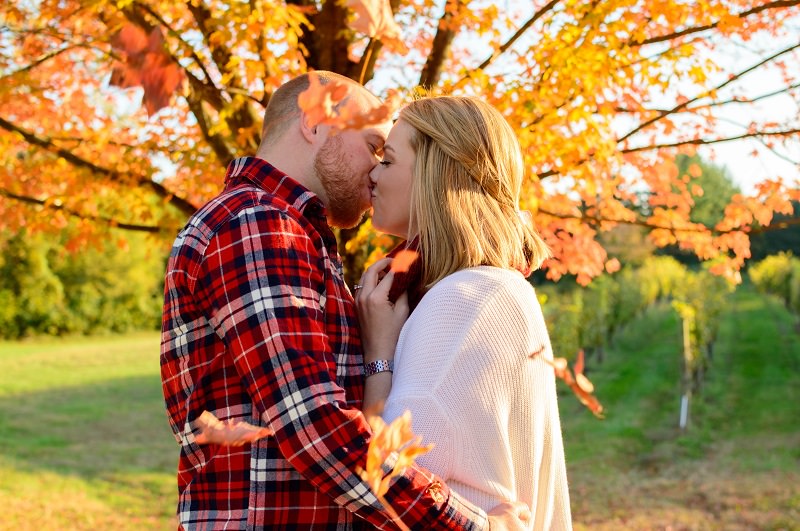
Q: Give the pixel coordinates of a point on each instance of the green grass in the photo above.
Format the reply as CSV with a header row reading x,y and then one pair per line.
x,y
85,444
736,467
84,441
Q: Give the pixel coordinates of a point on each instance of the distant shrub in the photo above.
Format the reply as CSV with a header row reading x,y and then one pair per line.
x,y
773,275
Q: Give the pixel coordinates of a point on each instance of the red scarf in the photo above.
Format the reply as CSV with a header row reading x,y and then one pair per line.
x,y
409,279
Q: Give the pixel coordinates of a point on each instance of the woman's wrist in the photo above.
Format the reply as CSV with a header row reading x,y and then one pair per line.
x,y
375,352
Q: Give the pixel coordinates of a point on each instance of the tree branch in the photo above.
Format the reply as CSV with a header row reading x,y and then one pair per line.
x,y
242,116
688,31
595,220
328,43
216,141
441,44
366,65
686,103
49,204
778,225
719,103
522,29
703,141
42,59
80,162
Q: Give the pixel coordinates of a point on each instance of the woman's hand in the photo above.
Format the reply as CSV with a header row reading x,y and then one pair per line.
x,y
509,516
380,320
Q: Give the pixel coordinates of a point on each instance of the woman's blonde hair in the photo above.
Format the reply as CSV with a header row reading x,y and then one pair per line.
x,y
465,195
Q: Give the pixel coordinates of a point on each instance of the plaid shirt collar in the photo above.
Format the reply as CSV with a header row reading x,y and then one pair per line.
x,y
264,175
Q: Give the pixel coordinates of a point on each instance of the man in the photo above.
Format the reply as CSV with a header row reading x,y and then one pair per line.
x,y
259,326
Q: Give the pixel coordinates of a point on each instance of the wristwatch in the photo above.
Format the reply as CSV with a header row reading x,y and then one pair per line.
x,y
374,367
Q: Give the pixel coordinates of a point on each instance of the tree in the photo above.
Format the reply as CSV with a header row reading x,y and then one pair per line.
x,y
114,285
717,185
603,94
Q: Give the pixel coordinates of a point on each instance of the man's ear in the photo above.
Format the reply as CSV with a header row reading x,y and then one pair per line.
x,y
310,132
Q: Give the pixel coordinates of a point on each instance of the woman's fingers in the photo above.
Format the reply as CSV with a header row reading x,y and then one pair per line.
x,y
371,276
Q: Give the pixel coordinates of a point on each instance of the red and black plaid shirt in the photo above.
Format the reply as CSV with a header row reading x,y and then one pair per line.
x,y
259,326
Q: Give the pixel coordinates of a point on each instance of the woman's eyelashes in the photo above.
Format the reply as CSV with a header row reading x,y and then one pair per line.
x,y
385,162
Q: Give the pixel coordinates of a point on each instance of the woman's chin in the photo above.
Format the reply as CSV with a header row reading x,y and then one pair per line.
x,y
394,231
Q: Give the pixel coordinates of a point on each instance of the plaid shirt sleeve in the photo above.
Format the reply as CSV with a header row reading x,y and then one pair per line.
x,y
264,276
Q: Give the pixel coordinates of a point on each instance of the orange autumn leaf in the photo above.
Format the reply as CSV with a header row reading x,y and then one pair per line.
x,y
579,363
402,260
387,439
147,64
328,104
579,383
584,383
374,18
228,433
318,101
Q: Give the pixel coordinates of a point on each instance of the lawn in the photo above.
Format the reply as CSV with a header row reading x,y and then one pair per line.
x,y
737,467
84,441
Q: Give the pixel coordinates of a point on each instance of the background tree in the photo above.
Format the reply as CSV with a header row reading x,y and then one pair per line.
x,y
717,184
603,94
110,286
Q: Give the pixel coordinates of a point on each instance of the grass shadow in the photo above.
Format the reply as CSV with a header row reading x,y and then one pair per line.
x,y
92,430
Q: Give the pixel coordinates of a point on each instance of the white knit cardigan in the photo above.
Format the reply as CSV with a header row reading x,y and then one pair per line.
x,y
462,367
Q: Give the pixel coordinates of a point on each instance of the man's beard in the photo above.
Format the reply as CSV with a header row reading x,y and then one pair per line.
x,y
339,181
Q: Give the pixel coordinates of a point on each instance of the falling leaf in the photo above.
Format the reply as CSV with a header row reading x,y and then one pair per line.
x,y
374,18
402,260
579,383
228,433
579,362
560,364
328,104
584,383
318,101
395,437
146,63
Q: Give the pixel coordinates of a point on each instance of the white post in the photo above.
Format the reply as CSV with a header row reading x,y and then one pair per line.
x,y
684,411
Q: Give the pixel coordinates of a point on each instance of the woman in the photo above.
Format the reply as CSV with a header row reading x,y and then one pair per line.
x,y
468,361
